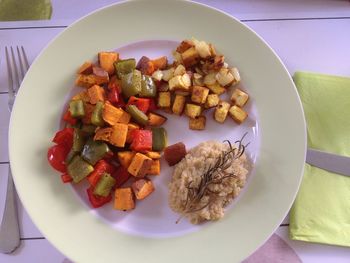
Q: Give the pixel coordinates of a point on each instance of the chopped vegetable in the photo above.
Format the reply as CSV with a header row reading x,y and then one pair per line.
x,y
88,129
66,178
123,67
237,114
100,168
96,117
212,101
179,104
154,168
78,140
197,123
78,169
174,153
70,156
221,111
190,57
239,97
107,60
97,201
83,95
96,94
137,115
142,188
125,118
89,109
139,165
119,133
160,63
142,141
125,158
104,185
193,110
56,156
86,68
103,134
199,94
148,88
131,83
159,138
131,128
156,120
113,96
145,65
153,155
64,137
94,151
76,108
124,199
164,100
121,175
111,114
141,103
67,117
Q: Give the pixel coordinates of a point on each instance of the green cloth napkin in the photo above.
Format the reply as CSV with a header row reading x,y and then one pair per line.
x,y
18,10
321,211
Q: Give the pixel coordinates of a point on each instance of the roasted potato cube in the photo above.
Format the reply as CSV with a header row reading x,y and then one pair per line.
x,y
212,50
193,110
142,188
125,158
179,104
111,114
131,128
203,49
103,134
182,93
197,123
124,199
184,45
237,114
157,75
239,97
209,79
179,70
199,94
216,88
221,111
190,57
198,79
86,68
177,83
139,165
155,119
145,65
164,99
177,57
96,94
212,101
118,135
154,168
153,155
224,77
236,75
107,59
168,74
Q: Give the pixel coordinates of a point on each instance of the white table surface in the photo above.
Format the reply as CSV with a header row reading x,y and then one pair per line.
x,y
311,35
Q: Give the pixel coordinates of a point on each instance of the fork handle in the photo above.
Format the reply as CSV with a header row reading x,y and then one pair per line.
x,y
9,228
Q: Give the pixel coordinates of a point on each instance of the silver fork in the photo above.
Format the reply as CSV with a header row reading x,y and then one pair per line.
x,y
9,227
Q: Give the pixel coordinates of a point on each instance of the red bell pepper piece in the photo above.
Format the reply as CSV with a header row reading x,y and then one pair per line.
x,y
113,96
141,103
67,117
142,141
121,175
97,201
66,178
152,105
56,156
100,168
64,137
113,84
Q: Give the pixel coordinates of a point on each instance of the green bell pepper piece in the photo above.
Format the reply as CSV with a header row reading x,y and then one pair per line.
x,y
96,116
78,169
70,156
93,151
104,185
137,115
159,138
124,66
88,129
78,140
148,88
76,108
131,83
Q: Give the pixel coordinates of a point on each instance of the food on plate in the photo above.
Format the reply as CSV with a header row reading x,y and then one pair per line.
x,y
113,136
207,179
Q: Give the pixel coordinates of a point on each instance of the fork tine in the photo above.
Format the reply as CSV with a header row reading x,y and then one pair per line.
x,y
20,64
9,70
26,64
15,88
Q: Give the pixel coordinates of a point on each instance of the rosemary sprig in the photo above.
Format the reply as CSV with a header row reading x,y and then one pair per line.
x,y
215,174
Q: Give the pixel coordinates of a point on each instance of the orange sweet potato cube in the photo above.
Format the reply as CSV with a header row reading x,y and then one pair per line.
x,y
107,60
96,93
142,188
124,199
125,158
154,169
118,135
139,165
111,114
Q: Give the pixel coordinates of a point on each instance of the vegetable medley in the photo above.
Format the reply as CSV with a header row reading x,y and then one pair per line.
x,y
113,136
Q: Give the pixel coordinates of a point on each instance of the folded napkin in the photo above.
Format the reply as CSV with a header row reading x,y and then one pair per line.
x,y
15,10
321,211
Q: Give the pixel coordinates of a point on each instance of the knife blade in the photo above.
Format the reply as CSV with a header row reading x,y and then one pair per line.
x,y
328,161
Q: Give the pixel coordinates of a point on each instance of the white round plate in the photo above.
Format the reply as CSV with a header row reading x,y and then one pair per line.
x,y
276,129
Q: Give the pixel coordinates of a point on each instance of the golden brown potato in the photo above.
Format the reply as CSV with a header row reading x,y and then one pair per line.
x,y
221,111
239,97
212,101
190,57
164,100
179,104
142,188
124,199
216,88
199,94
193,110
197,123
184,45
238,114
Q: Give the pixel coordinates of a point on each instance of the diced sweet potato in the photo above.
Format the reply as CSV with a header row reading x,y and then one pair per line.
x,y
153,155
197,123
190,57
154,168
237,114
164,100
174,153
146,66
155,119
221,111
131,128
96,93
83,95
142,188
160,63
111,114
107,60
88,109
118,136
212,101
103,134
85,81
199,94
86,68
125,158
193,110
179,104
125,118
239,97
124,199
139,165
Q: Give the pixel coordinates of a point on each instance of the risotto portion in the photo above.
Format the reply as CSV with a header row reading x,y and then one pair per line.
x,y
210,176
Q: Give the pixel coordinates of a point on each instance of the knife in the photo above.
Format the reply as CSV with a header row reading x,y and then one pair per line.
x,y
328,161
